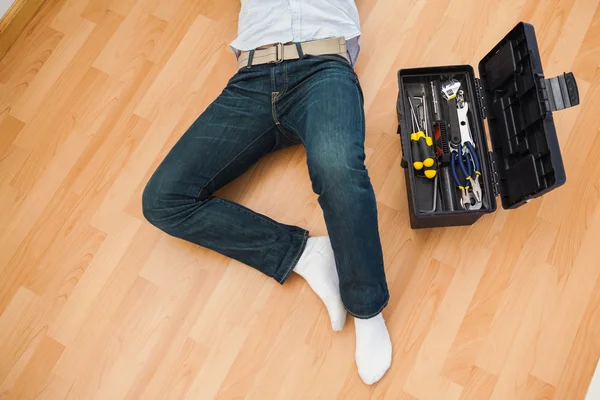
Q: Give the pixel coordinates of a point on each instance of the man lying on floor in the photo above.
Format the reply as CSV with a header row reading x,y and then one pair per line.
x,y
304,91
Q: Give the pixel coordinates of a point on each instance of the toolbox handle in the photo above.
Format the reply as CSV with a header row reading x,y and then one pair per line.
x,y
562,91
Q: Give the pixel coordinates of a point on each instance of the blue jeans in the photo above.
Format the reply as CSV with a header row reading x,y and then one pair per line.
x,y
314,101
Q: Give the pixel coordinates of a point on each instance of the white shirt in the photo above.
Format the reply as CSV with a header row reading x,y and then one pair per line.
x,y
263,22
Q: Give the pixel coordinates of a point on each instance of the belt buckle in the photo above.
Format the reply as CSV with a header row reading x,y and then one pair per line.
x,y
278,53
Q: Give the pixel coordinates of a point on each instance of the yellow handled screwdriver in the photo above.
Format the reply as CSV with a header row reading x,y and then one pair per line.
x,y
421,147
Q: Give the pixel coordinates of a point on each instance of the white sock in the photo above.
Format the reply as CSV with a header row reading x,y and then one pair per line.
x,y
373,348
317,266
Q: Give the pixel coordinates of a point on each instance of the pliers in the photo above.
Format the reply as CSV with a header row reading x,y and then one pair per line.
x,y
468,200
472,160
467,146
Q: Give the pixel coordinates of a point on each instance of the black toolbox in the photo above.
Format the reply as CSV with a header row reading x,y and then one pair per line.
x,y
517,101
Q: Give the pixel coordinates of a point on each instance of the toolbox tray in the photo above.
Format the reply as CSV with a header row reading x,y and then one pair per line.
x,y
512,94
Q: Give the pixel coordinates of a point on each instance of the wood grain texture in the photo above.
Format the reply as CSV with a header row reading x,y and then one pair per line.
x,y
96,303
15,21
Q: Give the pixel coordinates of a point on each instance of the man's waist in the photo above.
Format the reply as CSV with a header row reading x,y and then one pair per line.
x,y
278,52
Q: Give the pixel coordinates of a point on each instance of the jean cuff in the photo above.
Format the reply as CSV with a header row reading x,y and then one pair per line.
x,y
367,311
291,259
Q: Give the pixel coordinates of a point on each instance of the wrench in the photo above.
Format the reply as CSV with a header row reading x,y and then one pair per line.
x,y
465,137
463,120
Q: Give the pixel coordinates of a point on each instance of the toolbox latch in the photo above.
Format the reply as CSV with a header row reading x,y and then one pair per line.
x,y
480,99
560,92
494,174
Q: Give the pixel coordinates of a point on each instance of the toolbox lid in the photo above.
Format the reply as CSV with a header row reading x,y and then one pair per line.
x,y
518,102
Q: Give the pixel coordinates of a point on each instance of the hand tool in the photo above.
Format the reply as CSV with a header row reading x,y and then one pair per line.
x,y
463,152
442,143
421,146
431,170
461,183
468,200
466,162
450,89
435,189
430,153
414,139
468,146
448,191
444,156
437,114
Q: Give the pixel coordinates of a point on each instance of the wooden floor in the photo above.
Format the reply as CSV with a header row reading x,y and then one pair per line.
x,y
96,303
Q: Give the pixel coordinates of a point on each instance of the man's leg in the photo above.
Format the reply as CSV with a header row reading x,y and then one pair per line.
x,y
230,136
235,131
326,109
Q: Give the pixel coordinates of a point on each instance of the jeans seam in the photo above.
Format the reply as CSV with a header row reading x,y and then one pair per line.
x,y
295,260
281,126
285,78
231,161
362,106
290,126
274,97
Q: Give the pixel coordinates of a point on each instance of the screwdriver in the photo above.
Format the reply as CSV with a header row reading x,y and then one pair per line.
x,y
421,146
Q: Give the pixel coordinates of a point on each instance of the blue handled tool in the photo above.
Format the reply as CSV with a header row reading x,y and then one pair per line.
x,y
468,200
467,147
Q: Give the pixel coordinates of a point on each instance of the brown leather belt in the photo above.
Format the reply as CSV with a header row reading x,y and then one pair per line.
x,y
279,52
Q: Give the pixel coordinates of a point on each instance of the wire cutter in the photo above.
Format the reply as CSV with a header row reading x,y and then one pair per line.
x,y
468,200
468,160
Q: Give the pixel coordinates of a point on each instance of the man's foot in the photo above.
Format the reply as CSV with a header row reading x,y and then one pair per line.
x,y
317,266
373,348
